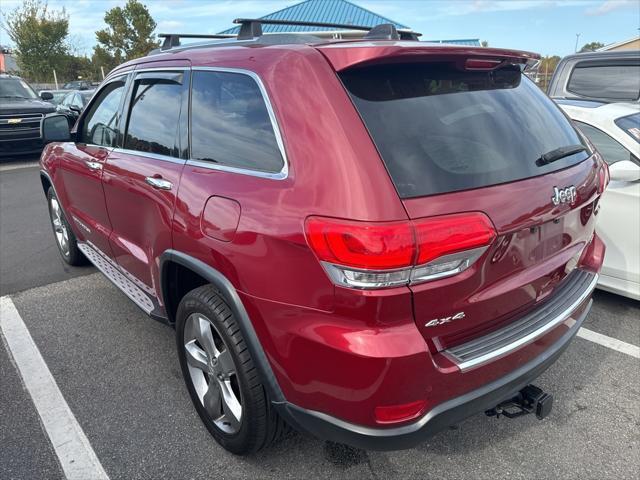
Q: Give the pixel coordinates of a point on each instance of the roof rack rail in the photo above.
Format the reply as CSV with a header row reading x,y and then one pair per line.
x,y
252,27
172,40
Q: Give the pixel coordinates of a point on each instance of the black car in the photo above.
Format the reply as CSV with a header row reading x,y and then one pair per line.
x,y
73,103
612,76
78,85
21,113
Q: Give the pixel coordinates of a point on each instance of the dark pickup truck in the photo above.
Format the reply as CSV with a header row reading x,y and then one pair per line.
x,y
21,113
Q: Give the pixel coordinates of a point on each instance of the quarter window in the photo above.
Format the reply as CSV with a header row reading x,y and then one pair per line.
x,y
100,124
230,124
155,114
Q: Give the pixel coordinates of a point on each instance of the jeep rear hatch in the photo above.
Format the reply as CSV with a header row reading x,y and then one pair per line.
x,y
465,140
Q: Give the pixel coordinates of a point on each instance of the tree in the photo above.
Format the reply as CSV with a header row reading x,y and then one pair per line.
x,y
39,36
548,64
591,47
129,34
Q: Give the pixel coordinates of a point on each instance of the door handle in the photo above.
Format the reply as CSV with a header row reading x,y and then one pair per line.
x,y
159,183
94,166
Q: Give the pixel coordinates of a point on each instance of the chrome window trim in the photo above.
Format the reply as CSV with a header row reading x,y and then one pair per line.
x,y
284,172
155,156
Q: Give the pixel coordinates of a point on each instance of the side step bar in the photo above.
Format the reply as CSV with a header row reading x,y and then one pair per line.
x,y
113,272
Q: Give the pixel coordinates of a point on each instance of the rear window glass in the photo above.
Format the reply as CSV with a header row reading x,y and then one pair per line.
x,y
615,82
441,130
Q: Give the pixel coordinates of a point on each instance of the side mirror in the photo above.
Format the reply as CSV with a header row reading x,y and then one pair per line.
x,y
624,171
46,96
55,128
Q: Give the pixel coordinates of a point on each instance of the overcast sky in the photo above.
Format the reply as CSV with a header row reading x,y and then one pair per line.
x,y
544,26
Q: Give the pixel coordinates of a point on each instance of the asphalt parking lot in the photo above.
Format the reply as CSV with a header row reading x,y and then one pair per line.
x,y
119,374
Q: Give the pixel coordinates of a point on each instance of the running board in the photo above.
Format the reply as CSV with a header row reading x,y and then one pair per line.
x,y
113,272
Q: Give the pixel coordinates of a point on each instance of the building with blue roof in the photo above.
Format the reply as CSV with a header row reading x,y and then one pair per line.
x,y
334,11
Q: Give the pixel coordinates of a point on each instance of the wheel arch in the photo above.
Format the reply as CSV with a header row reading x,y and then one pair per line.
x,y
172,259
46,182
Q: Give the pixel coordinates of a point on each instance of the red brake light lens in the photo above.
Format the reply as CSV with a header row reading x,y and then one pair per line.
x,y
363,245
481,63
387,254
400,413
439,236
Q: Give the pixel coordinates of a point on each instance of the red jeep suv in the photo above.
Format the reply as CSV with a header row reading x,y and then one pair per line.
x,y
368,240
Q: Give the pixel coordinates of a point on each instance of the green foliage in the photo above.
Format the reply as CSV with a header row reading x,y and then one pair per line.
x,y
591,47
548,64
39,36
129,34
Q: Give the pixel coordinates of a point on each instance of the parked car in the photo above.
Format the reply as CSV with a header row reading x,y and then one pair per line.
x,y
57,95
78,85
368,241
21,111
73,103
612,76
615,131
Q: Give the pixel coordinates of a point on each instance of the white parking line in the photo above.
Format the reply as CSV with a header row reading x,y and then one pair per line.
x,y
609,342
17,166
77,458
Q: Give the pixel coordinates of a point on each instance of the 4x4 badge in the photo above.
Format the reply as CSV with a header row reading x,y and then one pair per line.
x,y
564,195
440,321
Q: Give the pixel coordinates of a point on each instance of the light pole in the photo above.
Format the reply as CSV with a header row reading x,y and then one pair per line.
x,y
577,38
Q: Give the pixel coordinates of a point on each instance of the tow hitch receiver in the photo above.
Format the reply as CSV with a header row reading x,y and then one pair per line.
x,y
530,399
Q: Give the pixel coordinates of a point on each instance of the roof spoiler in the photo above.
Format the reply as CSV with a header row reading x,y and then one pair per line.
x,y
343,56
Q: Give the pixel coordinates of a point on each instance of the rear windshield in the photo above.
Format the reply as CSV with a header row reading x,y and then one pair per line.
x,y
439,129
615,82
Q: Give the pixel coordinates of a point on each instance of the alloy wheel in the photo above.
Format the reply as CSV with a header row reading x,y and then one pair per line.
x,y
213,373
59,227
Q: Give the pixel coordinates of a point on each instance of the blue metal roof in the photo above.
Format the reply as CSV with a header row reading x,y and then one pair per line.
x,y
472,42
328,11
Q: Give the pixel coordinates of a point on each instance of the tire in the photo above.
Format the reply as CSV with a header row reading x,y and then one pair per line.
x,y
229,370
65,238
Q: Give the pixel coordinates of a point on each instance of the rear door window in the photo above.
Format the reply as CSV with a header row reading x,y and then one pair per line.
x,y
615,82
154,118
230,123
439,129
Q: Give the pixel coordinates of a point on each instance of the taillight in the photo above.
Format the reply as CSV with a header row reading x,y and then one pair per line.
x,y
386,254
362,244
450,244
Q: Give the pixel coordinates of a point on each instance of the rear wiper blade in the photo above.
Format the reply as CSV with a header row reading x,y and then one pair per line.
x,y
559,153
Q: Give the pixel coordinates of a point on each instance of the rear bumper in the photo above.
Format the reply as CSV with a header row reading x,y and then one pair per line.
x,y
442,416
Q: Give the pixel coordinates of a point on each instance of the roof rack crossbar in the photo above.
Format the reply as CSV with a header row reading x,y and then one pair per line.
x,y
172,40
346,26
249,29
